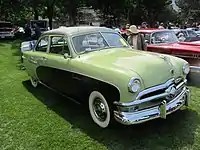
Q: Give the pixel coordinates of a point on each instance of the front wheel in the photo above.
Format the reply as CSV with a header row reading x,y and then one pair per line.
x,y
99,109
34,82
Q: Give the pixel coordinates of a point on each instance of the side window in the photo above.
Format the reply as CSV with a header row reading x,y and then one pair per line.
x,y
59,45
42,44
192,33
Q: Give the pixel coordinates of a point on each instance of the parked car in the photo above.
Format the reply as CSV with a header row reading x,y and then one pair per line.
x,y
97,67
6,30
190,35
166,42
198,32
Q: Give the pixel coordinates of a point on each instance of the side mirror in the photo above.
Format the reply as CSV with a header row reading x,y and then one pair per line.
x,y
66,55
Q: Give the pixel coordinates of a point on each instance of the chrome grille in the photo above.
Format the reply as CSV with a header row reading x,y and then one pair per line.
x,y
154,96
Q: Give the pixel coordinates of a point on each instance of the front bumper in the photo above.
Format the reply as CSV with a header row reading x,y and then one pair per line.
x,y
161,111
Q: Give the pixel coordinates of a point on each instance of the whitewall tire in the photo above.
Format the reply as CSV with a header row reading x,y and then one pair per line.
x,y
34,82
99,109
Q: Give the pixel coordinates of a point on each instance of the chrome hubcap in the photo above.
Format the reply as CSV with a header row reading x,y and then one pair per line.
x,y
100,110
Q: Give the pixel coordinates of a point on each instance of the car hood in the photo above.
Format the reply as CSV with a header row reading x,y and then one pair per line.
x,y
152,68
180,47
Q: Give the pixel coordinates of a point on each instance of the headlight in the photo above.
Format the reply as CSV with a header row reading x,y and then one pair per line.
x,y
186,68
134,85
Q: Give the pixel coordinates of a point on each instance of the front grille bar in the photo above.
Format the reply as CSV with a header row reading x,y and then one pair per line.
x,y
155,97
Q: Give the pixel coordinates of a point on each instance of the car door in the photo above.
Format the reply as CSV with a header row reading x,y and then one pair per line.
x,y
35,58
55,72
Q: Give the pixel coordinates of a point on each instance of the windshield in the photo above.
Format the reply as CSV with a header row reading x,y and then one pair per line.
x,y
5,25
191,33
97,41
164,37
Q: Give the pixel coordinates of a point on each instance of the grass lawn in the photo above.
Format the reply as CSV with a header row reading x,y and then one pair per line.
x,y
40,119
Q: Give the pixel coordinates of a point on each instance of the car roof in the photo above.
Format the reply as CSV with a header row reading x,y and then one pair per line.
x,y
151,30
179,29
78,30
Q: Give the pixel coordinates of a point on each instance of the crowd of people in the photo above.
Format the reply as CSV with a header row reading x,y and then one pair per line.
x,y
137,41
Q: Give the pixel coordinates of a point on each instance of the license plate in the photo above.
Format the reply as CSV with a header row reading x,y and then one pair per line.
x,y
162,109
2,36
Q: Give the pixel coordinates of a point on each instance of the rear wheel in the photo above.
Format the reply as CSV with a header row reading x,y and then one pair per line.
x,y
99,109
34,82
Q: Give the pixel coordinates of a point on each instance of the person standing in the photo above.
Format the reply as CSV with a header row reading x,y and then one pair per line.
x,y
37,32
27,33
161,26
136,39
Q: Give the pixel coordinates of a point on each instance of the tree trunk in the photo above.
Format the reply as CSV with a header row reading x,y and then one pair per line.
x,y
50,16
72,13
36,15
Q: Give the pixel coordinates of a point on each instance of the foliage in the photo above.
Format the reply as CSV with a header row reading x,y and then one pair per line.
x,y
135,11
189,9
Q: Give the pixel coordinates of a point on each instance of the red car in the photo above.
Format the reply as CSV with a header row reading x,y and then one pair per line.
x,y
6,30
165,41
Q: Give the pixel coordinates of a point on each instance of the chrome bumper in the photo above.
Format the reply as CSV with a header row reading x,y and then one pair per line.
x,y
161,111
194,69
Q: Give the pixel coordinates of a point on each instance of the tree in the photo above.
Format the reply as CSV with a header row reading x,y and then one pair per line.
x,y
189,9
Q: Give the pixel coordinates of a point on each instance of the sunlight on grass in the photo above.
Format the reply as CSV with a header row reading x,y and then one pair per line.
x,y
40,119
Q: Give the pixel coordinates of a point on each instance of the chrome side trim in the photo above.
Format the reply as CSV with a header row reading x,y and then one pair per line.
x,y
184,56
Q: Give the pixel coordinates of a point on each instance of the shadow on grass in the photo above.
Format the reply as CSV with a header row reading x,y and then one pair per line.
x,y
15,46
174,133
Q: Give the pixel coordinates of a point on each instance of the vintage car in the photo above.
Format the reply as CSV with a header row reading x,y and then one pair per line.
x,y
189,35
6,30
165,41
97,67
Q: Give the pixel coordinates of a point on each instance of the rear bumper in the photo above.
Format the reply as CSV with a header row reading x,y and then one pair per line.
x,y
161,111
